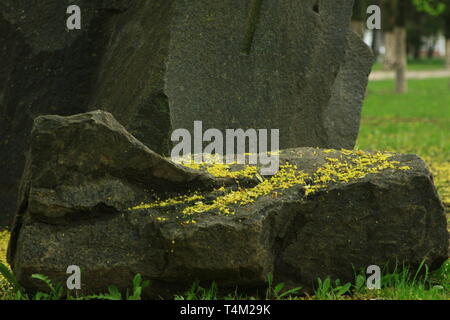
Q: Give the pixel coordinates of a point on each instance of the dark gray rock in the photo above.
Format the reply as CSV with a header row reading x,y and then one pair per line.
x,y
115,62
303,72
160,65
85,172
342,114
89,162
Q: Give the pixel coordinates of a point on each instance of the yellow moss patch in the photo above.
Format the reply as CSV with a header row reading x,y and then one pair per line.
x,y
349,166
441,174
221,170
285,178
4,286
188,222
4,238
168,202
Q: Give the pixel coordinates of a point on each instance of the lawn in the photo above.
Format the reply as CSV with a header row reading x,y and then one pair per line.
x,y
416,122
418,65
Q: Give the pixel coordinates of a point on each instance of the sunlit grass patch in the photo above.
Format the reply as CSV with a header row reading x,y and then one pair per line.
x,y
425,99
403,283
4,238
4,286
419,64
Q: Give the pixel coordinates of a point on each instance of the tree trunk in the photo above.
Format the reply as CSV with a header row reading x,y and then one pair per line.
x,y
447,54
400,60
431,49
389,53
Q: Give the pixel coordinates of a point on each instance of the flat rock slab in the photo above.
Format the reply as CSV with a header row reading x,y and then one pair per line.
x,y
325,213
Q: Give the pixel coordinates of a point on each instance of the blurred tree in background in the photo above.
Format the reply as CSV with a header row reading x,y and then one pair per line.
x,y
446,27
405,25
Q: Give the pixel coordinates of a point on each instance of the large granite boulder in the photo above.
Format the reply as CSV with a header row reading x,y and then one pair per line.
x,y
94,196
159,65
290,65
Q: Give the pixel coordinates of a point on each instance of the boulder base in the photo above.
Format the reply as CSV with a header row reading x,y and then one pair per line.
x,y
115,208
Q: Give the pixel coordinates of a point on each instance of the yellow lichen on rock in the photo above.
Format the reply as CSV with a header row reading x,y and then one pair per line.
x,y
4,238
441,173
344,167
214,165
285,178
223,171
351,166
4,285
168,202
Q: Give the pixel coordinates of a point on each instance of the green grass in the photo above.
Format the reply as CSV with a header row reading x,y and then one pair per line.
x,y
417,122
401,284
4,285
418,65
10,289
428,99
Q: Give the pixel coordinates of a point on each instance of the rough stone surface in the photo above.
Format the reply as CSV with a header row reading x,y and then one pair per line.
x,y
89,162
158,65
84,171
115,62
342,114
304,73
